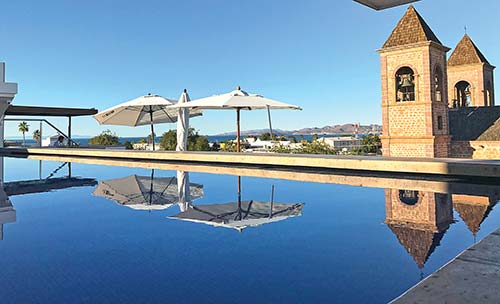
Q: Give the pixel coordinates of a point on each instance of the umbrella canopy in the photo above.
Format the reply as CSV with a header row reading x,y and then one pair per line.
x,y
238,100
145,193
240,215
145,110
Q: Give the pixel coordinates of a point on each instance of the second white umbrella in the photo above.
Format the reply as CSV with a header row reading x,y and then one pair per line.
x,y
238,100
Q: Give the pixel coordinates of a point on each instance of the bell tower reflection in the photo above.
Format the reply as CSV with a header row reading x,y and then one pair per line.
x,y
419,220
474,209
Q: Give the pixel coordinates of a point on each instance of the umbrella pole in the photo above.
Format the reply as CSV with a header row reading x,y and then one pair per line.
x,y
151,188
270,125
238,148
239,189
272,202
152,127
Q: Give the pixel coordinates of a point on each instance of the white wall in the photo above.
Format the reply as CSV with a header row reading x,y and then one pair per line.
x,y
7,92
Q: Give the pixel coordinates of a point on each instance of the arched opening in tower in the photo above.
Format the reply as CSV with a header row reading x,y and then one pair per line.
x,y
438,84
463,95
489,99
405,85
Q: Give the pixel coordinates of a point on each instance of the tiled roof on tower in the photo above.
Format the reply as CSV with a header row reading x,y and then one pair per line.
x,y
411,29
420,244
466,52
472,215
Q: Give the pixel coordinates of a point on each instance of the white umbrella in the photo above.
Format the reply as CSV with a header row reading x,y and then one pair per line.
x,y
147,193
145,110
182,123
238,100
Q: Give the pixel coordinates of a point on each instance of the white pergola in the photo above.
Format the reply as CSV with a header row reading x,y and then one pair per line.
x,y
384,4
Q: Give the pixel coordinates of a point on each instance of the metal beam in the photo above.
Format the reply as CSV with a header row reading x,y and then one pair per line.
x,y
384,4
48,111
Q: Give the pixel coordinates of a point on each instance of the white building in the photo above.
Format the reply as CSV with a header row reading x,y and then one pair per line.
x,y
341,143
8,91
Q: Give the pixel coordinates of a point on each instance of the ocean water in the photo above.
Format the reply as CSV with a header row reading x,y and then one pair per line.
x,y
211,138
112,234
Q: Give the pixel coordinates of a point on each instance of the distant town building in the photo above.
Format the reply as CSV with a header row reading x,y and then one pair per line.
x,y
341,143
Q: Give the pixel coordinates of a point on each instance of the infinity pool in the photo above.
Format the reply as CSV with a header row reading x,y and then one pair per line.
x,y
114,234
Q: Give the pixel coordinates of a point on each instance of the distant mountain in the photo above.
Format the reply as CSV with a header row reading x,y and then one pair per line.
x,y
255,132
339,129
345,129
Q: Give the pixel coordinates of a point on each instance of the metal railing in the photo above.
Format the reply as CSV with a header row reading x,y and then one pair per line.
x,y
71,142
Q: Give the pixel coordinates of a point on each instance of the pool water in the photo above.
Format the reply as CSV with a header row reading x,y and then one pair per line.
x,y
132,235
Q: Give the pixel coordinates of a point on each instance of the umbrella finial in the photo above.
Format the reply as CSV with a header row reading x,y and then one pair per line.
x,y
238,88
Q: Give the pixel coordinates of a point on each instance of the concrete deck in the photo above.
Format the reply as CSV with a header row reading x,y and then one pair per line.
x,y
450,167
472,277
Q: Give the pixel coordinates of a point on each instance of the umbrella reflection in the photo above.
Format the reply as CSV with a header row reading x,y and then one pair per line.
x,y
149,193
241,214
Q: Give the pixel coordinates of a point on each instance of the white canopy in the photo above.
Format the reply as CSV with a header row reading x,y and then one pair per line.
x,y
237,99
145,110
138,112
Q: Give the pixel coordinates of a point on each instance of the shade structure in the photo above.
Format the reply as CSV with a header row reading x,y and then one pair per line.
x,y
145,110
238,100
146,193
240,215
182,123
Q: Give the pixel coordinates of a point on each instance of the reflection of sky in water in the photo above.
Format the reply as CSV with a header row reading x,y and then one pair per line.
x,y
69,244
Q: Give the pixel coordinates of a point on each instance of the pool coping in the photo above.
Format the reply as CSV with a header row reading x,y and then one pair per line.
x,y
433,166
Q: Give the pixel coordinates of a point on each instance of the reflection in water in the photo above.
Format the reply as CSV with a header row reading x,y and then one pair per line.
x,y
7,212
473,209
420,219
241,214
7,189
149,193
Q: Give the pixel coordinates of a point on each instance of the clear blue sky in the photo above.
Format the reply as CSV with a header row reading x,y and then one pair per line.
x,y
319,54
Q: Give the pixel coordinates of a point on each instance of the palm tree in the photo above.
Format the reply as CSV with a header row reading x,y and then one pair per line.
x,y
23,128
36,135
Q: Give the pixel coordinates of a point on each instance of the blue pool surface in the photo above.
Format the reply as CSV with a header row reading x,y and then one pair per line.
x,y
75,245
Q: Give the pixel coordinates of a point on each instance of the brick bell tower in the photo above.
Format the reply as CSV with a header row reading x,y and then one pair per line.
x,y
414,91
470,77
